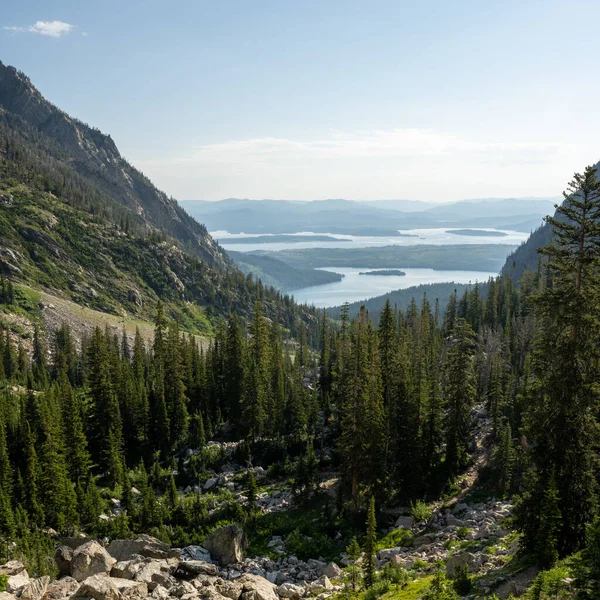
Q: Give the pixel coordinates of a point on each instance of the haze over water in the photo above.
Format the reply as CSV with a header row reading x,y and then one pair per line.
x,y
411,237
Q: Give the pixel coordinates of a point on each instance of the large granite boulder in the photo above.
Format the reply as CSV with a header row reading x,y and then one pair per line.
x,y
227,544
35,589
90,559
17,582
143,545
99,587
63,556
13,567
256,587
61,588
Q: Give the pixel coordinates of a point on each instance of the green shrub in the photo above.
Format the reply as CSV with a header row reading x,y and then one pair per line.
x,y
377,590
462,532
395,574
3,582
399,538
420,512
551,585
463,584
419,564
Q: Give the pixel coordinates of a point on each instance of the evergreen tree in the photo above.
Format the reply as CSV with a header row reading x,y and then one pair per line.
x,y
460,395
370,542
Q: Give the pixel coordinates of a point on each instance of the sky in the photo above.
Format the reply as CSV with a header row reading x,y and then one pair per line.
x,y
435,101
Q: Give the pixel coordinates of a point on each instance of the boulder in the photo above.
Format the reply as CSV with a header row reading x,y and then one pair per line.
x,y
159,593
332,571
91,559
99,587
183,588
457,561
75,542
256,587
155,573
130,589
290,590
423,540
320,585
35,589
63,556
13,567
316,565
143,545
404,522
195,553
61,588
7,596
127,569
452,520
17,582
231,589
227,544
195,567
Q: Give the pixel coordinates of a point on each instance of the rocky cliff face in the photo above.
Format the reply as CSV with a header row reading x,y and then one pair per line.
x,y
94,156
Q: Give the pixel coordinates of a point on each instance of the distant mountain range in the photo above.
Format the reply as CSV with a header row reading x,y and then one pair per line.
x,y
358,217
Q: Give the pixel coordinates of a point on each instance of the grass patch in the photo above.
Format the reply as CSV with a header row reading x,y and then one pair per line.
x,y
399,538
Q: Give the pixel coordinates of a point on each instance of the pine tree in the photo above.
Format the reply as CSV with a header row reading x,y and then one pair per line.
x,y
353,551
561,427
370,542
31,480
459,388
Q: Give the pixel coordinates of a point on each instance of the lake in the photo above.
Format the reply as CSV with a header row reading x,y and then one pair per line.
x,y
354,287
410,237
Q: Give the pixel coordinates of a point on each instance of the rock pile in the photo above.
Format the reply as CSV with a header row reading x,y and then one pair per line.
x,y
145,567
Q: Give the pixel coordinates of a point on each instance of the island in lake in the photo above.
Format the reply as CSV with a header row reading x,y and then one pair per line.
x,y
386,272
279,238
477,232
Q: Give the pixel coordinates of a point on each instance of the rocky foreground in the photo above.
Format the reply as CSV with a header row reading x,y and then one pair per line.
x,y
145,567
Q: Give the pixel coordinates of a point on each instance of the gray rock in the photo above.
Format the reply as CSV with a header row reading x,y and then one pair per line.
x,y
320,585
451,520
35,589
143,545
63,556
127,569
13,567
257,588
196,567
332,571
99,587
227,544
17,582
182,589
459,560
131,589
90,559
195,553
290,590
61,588
404,522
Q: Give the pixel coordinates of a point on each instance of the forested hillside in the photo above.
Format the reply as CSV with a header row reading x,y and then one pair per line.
x,y
496,397
434,454
77,220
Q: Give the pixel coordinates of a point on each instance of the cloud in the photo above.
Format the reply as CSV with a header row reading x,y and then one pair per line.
x,y
418,163
50,28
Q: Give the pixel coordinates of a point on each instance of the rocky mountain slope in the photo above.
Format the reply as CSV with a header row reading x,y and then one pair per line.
x,y
94,156
78,221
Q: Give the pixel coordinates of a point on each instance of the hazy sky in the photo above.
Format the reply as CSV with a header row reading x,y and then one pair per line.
x,y
317,99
